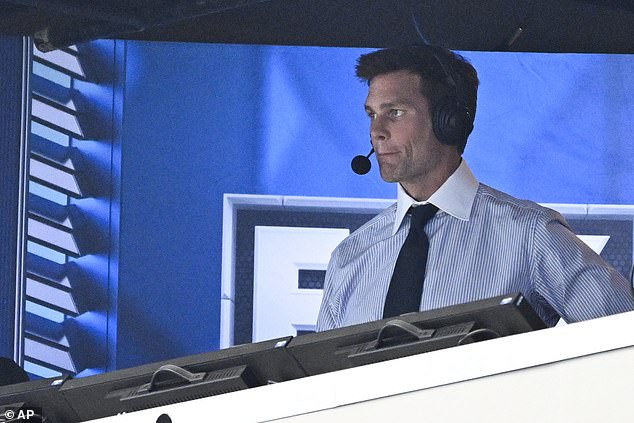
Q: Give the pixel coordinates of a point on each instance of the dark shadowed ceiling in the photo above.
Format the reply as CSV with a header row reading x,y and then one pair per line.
x,y
582,26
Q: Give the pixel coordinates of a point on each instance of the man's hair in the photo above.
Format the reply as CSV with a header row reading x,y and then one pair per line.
x,y
432,64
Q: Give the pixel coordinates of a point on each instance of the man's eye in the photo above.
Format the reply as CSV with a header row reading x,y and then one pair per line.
x,y
396,113
371,115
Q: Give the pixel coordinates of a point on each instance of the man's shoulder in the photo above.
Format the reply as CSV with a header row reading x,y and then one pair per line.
x,y
375,229
503,204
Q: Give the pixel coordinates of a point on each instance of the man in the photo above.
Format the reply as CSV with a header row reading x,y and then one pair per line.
x,y
481,242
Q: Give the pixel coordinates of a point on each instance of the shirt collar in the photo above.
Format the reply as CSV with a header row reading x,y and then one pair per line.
x,y
455,196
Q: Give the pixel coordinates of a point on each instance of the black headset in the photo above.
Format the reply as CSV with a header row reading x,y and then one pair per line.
x,y
452,119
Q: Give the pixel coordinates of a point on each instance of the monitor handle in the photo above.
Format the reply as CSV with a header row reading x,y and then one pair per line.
x,y
401,326
171,372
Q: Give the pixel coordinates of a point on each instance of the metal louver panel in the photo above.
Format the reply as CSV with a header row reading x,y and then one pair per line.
x,y
46,353
61,59
54,335
57,238
57,178
51,295
58,116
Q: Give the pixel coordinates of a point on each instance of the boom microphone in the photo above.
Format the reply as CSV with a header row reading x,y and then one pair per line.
x,y
361,164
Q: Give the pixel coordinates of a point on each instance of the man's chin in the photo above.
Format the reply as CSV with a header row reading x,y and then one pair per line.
x,y
388,177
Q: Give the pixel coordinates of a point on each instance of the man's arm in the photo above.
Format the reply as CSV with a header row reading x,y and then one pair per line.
x,y
575,280
326,319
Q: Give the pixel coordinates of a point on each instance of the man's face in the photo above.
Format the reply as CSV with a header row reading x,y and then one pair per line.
x,y
401,129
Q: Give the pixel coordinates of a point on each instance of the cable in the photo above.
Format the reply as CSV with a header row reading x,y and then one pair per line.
x,y
416,25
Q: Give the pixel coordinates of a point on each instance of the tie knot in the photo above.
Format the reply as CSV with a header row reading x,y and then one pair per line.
x,y
422,214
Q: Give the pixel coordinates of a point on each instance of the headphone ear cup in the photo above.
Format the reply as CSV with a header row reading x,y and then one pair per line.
x,y
452,122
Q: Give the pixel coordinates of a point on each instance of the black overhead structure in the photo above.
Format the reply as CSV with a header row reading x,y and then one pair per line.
x,y
581,26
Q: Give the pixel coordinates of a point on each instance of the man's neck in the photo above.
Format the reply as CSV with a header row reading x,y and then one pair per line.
x,y
426,185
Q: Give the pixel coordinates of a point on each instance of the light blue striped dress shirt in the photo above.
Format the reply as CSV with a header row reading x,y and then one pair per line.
x,y
483,243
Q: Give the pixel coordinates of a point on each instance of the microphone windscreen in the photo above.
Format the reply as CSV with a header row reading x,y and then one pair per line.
x,y
361,165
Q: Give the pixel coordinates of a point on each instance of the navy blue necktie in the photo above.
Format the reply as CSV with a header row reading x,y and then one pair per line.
x,y
406,286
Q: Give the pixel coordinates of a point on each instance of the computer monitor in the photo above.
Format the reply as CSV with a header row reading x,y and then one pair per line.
x,y
181,379
288,358
35,401
414,333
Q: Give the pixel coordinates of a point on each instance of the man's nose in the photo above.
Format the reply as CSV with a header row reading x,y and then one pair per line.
x,y
378,131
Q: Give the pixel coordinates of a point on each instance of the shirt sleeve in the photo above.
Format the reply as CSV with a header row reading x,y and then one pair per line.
x,y
571,277
326,319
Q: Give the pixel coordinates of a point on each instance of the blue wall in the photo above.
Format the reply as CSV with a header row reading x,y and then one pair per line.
x,y
190,132
556,127
202,120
